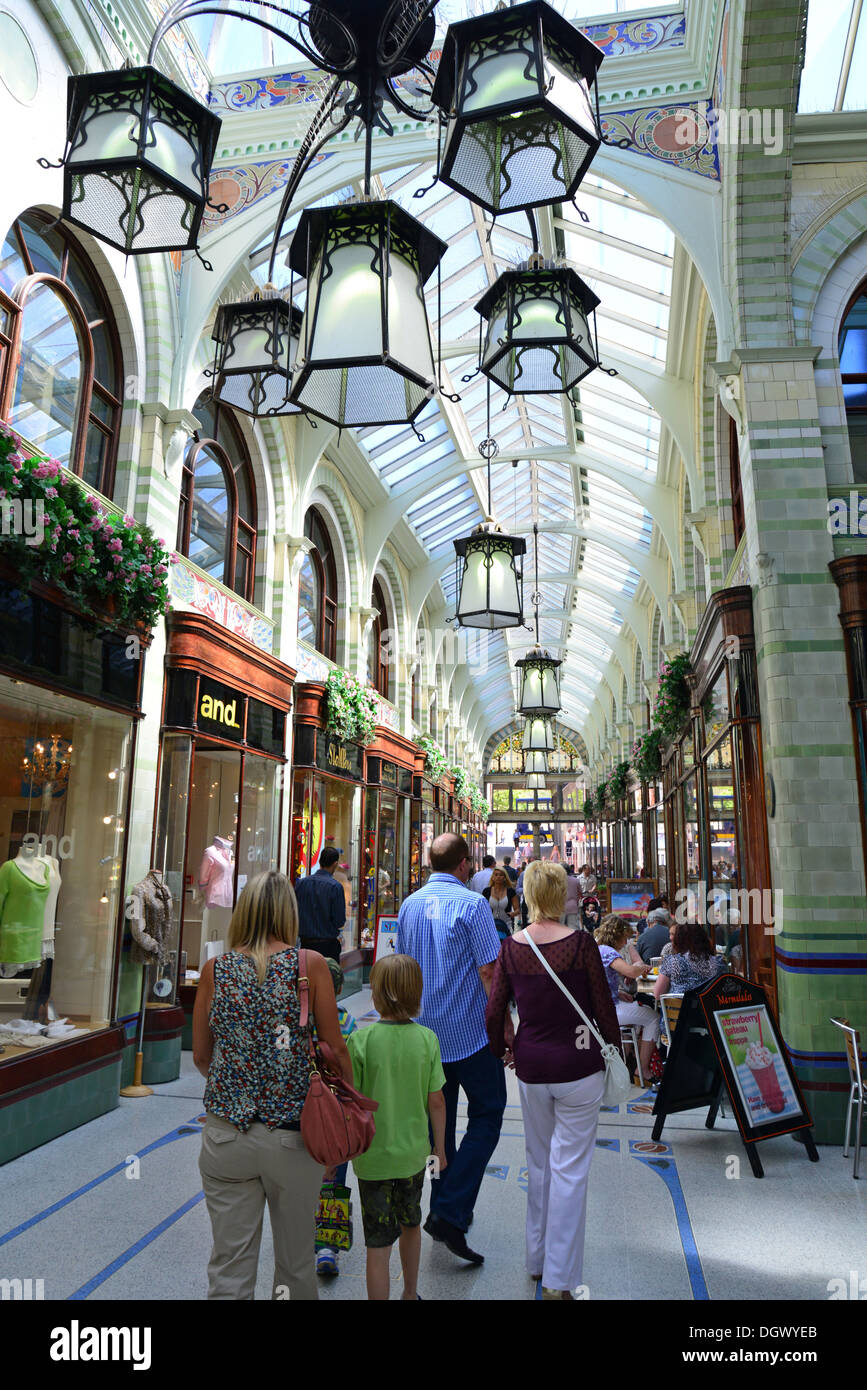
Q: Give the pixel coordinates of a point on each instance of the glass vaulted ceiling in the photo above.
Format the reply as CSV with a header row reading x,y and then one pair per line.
x,y
556,453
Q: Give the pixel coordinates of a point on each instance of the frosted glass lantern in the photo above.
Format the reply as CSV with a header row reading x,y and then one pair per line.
x,y
540,683
517,88
365,355
257,342
490,578
541,330
535,762
537,736
535,781
138,160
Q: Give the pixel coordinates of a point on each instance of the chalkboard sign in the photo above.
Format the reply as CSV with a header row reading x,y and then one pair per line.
x,y
727,1037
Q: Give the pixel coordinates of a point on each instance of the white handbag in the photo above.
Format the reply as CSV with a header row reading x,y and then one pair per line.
x,y
618,1084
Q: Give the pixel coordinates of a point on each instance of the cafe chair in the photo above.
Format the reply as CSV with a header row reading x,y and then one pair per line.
x,y
856,1089
670,1005
629,1032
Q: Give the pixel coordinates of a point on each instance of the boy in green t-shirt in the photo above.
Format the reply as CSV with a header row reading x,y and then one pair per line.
x,y
397,1063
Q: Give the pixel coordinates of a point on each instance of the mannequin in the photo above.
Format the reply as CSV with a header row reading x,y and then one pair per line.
x,y
216,881
29,885
151,921
217,873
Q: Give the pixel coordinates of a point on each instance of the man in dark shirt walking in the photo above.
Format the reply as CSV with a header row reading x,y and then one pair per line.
x,y
321,908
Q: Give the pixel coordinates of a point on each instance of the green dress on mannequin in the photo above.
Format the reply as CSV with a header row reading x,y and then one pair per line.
x,y
22,913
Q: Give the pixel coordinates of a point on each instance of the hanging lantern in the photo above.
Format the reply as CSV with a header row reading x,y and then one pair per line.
x,y
535,781
518,89
540,336
138,159
540,683
538,737
257,342
365,354
490,578
535,762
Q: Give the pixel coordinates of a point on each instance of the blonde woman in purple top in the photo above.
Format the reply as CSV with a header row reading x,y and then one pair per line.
x,y
560,1072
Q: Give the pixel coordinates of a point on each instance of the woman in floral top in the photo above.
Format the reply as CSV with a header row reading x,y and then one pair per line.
x,y
248,1042
692,962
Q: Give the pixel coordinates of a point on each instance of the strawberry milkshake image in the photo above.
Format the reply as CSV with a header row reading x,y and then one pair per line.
x,y
761,1063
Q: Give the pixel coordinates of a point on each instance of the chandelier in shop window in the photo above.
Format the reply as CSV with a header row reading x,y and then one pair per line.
x,y
48,764
517,90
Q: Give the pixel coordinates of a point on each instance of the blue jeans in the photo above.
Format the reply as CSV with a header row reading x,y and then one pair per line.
x,y
483,1080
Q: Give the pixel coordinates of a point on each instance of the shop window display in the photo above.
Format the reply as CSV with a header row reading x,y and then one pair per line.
x,y
63,787
326,813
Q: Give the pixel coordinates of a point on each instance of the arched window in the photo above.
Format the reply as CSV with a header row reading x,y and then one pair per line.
x,y
853,370
60,364
378,671
217,519
317,589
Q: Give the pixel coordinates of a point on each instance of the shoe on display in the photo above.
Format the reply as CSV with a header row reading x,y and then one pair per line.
x,y
326,1264
558,1294
453,1238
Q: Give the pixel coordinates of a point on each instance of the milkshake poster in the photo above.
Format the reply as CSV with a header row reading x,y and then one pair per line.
x,y
759,1070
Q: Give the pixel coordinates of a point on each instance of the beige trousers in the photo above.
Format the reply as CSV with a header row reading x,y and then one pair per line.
x,y
240,1172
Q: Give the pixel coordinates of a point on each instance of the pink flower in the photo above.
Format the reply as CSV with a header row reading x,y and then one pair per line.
x,y
162,569
146,569
116,544
51,492
75,533
129,521
47,470
68,559
95,524
149,552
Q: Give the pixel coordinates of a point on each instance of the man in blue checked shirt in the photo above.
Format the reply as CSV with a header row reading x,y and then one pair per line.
x,y
450,932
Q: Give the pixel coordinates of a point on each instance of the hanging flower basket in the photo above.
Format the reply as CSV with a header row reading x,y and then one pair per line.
x,y
350,708
462,782
54,531
435,760
647,755
671,710
618,784
589,809
601,797
478,802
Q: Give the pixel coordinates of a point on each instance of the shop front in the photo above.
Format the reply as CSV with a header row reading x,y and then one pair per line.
x,y
428,818
389,843
70,693
219,800
717,859
327,797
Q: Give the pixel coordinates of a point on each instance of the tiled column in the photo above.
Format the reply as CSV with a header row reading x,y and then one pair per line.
x,y
814,832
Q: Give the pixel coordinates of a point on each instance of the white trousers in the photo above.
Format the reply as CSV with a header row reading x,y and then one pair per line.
x,y
642,1015
560,1121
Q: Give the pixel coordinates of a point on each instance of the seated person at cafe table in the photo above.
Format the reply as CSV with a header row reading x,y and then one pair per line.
x,y
691,963
611,937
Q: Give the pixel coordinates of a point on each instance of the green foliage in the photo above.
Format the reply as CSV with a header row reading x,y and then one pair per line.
x,y
77,543
589,808
618,784
671,710
647,755
435,760
350,708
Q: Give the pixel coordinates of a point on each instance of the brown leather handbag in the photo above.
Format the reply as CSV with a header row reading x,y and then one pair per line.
x,y
336,1121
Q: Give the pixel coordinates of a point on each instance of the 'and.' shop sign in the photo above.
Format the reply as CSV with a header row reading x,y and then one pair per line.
x,y
221,710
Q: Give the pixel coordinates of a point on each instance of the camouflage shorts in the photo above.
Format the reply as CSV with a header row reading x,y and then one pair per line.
x,y
386,1205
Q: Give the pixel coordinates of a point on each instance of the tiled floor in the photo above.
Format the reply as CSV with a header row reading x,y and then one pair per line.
x,y
114,1209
